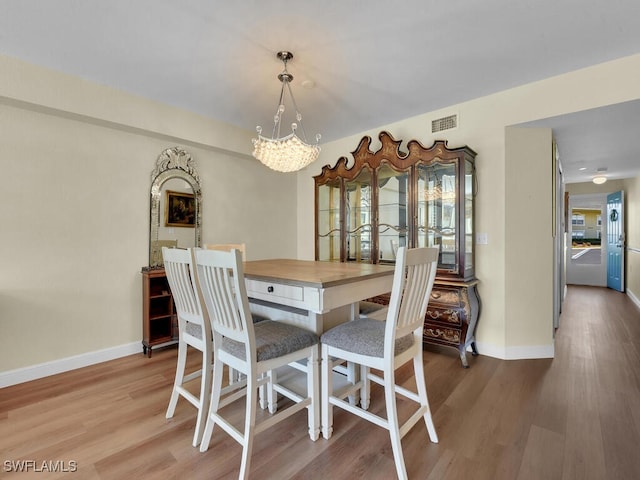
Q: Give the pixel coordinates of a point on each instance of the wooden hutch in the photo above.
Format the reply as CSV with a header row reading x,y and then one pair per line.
x,y
422,197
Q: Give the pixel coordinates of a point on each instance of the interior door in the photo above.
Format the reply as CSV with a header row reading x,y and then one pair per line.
x,y
615,241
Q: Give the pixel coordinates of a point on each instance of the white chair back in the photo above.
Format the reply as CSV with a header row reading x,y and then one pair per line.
x,y
178,266
413,280
224,292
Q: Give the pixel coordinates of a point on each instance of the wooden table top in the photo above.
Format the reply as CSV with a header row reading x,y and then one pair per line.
x,y
310,273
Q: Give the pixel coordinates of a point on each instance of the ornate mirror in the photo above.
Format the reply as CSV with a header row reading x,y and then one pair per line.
x,y
176,214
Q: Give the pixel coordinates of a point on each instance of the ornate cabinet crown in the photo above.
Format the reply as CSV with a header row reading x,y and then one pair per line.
x,y
390,198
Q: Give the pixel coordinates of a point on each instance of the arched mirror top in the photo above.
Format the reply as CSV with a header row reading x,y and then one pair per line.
x,y
173,163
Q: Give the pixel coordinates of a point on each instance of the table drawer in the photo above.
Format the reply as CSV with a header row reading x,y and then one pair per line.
x,y
265,290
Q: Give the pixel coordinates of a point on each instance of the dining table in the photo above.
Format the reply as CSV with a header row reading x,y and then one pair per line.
x,y
314,294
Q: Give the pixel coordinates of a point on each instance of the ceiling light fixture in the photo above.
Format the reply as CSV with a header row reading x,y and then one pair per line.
x,y
599,180
289,153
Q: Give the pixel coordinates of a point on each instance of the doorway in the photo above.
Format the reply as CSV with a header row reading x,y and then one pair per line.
x,y
586,248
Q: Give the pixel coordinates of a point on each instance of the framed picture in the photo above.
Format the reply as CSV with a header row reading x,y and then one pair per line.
x,y
180,210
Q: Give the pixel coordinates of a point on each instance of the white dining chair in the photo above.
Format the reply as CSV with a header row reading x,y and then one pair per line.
x,y
254,350
194,330
227,247
385,346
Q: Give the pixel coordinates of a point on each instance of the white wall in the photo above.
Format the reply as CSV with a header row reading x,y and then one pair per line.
x,y
482,127
75,210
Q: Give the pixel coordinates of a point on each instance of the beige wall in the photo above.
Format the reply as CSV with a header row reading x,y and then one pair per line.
x,y
529,238
75,209
76,162
482,127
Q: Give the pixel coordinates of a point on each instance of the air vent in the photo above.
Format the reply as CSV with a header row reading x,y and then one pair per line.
x,y
444,123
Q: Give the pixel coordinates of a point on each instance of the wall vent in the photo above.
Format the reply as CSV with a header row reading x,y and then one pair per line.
x,y
444,123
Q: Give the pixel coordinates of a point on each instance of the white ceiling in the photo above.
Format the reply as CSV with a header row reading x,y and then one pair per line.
x,y
372,62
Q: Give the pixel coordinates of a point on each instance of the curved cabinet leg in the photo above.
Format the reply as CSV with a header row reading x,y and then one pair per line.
x,y
463,358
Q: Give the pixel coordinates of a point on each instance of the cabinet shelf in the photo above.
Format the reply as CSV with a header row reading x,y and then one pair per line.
x,y
159,321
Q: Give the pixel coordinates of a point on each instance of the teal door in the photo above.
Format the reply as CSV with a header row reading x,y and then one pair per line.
x,y
615,241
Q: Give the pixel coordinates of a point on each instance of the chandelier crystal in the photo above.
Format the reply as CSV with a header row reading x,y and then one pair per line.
x,y
292,152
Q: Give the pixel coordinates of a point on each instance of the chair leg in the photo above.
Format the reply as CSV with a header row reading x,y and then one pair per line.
x,y
180,367
272,395
313,391
365,389
249,425
353,377
213,407
205,397
262,396
394,427
418,369
326,391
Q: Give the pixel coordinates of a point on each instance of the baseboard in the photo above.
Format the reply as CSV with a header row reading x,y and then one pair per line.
x,y
516,353
633,298
33,372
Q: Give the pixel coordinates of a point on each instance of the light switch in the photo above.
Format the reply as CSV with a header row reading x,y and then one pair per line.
x,y
481,239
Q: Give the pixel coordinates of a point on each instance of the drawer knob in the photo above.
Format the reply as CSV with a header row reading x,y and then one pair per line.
x,y
435,295
270,289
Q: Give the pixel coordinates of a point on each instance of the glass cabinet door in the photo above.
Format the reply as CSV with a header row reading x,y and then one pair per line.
x,y
359,217
391,198
328,221
436,211
393,217
469,179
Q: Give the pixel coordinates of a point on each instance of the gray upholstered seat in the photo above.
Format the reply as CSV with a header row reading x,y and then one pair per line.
x,y
273,340
363,336
193,329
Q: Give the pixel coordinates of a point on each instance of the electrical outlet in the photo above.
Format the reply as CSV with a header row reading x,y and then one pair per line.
x,y
482,239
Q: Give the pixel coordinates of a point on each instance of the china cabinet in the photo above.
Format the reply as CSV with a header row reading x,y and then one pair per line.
x,y
415,198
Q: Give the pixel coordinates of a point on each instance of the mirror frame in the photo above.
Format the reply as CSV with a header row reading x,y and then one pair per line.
x,y
172,163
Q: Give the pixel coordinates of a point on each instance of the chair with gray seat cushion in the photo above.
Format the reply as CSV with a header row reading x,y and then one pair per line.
x,y
193,330
385,346
227,247
255,350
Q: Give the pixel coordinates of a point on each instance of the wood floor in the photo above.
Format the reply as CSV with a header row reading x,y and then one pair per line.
x,y
574,417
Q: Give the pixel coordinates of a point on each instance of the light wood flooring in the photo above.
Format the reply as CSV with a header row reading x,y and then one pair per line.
x,y
574,417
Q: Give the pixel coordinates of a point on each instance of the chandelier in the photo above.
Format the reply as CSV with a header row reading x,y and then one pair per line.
x,y
291,152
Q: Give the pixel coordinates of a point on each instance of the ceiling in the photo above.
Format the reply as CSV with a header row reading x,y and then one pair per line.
x,y
370,63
